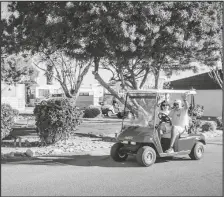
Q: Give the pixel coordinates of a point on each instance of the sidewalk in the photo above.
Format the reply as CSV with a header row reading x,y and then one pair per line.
x,y
215,140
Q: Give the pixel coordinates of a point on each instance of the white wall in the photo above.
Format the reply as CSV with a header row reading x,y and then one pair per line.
x,y
210,99
17,99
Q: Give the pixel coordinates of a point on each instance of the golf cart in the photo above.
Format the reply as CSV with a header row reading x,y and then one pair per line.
x,y
110,110
141,136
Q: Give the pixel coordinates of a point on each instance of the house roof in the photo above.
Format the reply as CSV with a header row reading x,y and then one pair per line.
x,y
198,82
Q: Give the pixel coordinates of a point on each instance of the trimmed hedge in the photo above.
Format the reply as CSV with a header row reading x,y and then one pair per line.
x,y
195,114
56,119
219,122
197,111
92,112
8,115
209,126
195,125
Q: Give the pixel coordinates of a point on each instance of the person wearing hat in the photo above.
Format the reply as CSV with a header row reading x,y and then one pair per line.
x,y
180,120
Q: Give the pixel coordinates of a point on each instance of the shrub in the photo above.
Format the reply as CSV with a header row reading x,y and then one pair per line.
x,y
209,126
92,112
56,119
194,125
219,122
8,115
197,111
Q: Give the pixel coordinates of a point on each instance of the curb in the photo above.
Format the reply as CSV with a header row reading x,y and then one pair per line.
x,y
215,143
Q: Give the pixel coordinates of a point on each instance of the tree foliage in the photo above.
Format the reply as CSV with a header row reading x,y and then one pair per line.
x,y
17,69
131,39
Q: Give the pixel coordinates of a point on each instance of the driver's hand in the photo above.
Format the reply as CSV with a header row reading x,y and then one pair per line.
x,y
184,96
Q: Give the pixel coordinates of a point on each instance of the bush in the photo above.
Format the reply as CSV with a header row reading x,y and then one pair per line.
x,y
194,125
197,111
219,122
209,126
8,115
92,112
56,119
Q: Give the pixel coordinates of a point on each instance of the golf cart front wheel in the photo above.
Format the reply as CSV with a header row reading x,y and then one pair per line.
x,y
197,151
116,154
109,113
146,156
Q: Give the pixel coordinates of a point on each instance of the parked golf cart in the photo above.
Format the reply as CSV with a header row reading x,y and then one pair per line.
x,y
107,110
141,137
110,110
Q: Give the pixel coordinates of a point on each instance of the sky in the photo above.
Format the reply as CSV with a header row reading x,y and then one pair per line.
x,y
106,75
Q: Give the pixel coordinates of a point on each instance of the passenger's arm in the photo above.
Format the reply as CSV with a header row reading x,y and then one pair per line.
x,y
186,104
167,98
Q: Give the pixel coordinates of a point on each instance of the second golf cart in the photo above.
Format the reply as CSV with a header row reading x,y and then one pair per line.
x,y
141,137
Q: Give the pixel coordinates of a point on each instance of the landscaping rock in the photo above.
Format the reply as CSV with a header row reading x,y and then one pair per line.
x,y
27,143
11,154
18,154
57,151
3,157
29,153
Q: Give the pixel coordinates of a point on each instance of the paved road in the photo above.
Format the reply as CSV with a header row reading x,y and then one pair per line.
x,y
97,175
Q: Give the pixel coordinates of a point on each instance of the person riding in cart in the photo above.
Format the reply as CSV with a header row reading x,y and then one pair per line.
x,y
180,120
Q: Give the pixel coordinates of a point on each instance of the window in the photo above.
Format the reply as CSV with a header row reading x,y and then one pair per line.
x,y
57,95
84,94
44,92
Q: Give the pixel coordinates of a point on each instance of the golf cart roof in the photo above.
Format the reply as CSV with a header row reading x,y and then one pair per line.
x,y
161,91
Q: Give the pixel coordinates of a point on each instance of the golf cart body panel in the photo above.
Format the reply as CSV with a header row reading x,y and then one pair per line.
x,y
136,134
140,135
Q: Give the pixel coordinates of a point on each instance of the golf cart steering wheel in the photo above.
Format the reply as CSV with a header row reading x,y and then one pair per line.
x,y
164,118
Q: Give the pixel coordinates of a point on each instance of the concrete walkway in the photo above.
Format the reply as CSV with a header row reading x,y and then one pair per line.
x,y
215,140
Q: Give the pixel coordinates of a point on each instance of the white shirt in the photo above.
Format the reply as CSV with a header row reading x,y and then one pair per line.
x,y
179,117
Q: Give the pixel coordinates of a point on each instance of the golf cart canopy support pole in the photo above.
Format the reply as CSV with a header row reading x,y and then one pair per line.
x,y
162,91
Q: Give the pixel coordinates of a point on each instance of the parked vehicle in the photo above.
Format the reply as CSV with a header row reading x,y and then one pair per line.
x,y
110,110
142,138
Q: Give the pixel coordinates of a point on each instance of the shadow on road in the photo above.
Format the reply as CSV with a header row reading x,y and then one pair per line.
x,y
83,160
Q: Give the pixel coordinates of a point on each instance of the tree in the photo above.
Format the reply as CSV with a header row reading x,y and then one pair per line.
x,y
42,34
217,75
17,69
132,39
68,72
163,37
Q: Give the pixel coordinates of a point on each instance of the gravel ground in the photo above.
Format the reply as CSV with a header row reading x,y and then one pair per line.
x,y
90,136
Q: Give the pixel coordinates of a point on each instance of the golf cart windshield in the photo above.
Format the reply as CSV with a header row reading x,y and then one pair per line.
x,y
144,105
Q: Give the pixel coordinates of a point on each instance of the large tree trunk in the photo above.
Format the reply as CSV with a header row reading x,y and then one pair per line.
x,y
222,63
156,79
107,87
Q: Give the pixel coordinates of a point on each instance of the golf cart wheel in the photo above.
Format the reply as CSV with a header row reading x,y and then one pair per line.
x,y
197,151
119,115
116,155
146,156
109,113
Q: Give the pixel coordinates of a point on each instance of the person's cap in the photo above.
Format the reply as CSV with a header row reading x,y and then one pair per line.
x,y
177,101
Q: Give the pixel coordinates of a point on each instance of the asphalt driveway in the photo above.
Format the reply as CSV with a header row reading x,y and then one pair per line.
x,y
95,174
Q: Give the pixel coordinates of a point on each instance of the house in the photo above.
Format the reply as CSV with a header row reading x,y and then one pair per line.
x,y
209,93
13,95
20,96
